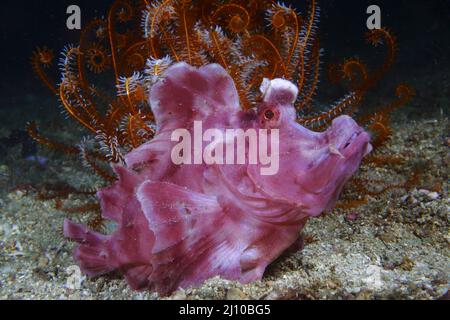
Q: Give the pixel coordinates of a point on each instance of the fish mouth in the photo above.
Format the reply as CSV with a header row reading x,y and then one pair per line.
x,y
359,142
358,139
352,139
349,138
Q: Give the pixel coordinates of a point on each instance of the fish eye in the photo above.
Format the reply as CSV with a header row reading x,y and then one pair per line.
x,y
269,114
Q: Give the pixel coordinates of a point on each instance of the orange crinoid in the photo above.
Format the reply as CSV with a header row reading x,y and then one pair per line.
x,y
251,39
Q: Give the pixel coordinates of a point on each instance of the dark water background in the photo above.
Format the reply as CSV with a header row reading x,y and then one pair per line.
x,y
421,26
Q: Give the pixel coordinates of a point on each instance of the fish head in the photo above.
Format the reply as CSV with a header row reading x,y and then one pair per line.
x,y
313,167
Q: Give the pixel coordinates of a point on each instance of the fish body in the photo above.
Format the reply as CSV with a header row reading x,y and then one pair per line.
x,y
180,224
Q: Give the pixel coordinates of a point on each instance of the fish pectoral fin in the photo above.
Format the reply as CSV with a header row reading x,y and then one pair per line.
x,y
175,213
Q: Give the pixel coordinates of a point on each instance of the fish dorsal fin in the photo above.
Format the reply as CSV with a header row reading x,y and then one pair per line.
x,y
278,91
186,94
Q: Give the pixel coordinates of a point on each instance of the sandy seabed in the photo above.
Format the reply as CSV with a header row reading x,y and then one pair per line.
x,y
395,247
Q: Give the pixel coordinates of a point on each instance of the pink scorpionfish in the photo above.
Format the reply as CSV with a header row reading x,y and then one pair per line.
x,y
179,224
